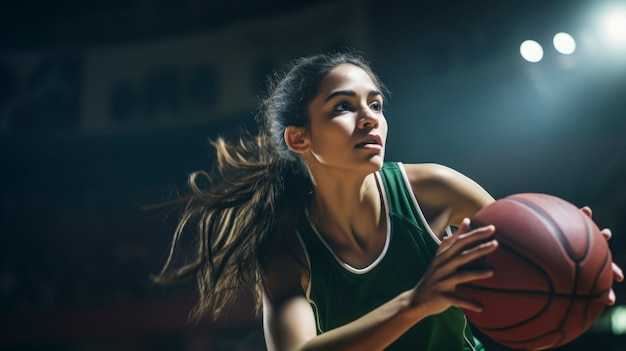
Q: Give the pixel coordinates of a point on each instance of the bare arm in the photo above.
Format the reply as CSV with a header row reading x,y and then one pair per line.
x,y
445,195
288,319
290,325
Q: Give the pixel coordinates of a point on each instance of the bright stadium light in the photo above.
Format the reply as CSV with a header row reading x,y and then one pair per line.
x,y
531,51
564,43
614,26
607,27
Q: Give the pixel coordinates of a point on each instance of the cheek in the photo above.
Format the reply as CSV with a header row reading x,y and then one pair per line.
x,y
340,128
383,127
330,136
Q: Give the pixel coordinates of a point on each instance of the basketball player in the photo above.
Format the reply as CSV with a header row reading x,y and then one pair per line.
x,y
342,250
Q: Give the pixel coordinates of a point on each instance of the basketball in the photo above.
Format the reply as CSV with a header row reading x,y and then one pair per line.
x,y
552,273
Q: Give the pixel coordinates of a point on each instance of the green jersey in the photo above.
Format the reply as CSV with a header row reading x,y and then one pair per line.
x,y
339,293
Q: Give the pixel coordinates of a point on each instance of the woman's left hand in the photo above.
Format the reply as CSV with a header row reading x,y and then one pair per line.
x,y
618,274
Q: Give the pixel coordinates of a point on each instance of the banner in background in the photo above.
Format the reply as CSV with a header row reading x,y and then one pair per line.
x,y
180,80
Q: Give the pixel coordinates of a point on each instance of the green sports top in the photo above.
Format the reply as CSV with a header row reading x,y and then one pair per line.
x,y
339,293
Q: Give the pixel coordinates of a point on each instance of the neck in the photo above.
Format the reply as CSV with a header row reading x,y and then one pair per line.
x,y
348,210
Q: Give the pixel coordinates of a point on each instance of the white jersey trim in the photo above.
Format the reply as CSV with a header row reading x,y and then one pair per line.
x,y
380,257
419,209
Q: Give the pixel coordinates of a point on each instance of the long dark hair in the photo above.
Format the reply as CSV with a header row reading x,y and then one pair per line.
x,y
256,190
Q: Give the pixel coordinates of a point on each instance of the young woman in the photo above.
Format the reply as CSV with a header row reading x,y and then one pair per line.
x,y
342,250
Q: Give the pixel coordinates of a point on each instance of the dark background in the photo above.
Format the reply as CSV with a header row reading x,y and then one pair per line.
x,y
77,246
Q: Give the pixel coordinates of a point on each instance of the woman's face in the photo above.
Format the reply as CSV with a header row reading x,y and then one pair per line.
x,y
347,128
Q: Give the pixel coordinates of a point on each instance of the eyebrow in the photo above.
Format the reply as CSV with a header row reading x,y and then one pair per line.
x,y
350,93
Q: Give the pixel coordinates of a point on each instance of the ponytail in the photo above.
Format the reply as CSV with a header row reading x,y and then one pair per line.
x,y
256,190
235,217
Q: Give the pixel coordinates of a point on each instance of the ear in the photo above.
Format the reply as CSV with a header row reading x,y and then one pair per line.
x,y
296,139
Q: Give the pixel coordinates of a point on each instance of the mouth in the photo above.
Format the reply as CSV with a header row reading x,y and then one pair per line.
x,y
371,142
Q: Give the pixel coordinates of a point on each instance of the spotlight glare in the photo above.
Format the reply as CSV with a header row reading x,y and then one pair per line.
x,y
564,43
531,51
615,27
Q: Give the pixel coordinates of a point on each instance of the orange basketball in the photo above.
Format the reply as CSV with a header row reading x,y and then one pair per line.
x,y
552,273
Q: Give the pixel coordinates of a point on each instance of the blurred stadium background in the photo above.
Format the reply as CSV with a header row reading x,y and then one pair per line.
x,y
105,107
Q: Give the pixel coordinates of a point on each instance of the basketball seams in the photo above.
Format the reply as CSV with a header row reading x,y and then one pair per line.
x,y
522,256
549,309
559,233
574,296
607,261
588,297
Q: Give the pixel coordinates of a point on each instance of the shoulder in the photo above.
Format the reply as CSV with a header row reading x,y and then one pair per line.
x,y
437,177
417,172
443,189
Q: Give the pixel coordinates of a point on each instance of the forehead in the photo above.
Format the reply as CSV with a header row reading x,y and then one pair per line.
x,y
347,76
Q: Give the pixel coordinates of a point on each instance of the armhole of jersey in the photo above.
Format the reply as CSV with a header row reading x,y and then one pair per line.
x,y
418,208
310,283
467,340
308,262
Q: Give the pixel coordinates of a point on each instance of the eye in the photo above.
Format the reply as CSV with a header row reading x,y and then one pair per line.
x,y
376,106
343,106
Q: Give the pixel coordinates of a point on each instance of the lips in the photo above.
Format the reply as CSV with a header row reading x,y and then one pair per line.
x,y
372,141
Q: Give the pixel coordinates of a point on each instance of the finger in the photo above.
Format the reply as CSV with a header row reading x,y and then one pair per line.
x,y
467,240
587,211
448,260
464,303
618,274
611,298
606,233
476,252
468,276
448,268
447,241
465,226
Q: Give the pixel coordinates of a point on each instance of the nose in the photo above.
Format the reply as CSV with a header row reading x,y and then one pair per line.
x,y
368,119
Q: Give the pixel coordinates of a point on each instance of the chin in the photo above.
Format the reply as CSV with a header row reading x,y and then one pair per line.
x,y
376,163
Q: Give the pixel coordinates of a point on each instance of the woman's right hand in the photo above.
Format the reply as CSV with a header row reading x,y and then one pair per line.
x,y
435,292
